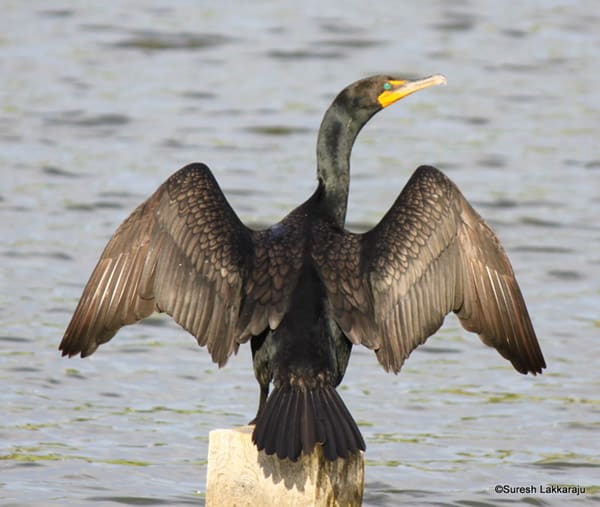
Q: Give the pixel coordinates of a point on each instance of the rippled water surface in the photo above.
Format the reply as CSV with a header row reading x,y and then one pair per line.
x,y
100,103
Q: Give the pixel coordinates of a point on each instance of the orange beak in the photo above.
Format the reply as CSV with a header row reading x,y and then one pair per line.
x,y
401,88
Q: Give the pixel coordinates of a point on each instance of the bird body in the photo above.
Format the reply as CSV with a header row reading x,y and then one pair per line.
x,y
305,290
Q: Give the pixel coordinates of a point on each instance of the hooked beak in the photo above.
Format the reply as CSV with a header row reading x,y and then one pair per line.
x,y
401,88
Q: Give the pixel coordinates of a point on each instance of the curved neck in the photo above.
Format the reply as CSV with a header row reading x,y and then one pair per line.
x,y
334,145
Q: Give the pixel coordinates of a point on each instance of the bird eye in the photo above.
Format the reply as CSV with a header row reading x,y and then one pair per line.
x,y
387,86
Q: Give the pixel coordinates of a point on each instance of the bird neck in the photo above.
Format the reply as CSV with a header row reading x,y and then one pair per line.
x,y
334,145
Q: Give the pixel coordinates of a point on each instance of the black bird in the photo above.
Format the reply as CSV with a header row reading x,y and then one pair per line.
x,y
305,290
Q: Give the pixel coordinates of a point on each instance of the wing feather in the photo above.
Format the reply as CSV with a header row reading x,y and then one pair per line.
x,y
431,254
185,252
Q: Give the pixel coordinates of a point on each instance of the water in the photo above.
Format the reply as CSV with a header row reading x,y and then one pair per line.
x,y
100,103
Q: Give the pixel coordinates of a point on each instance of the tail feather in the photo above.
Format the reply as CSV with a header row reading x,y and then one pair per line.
x,y
315,421
295,445
259,431
352,433
334,442
284,445
271,417
342,432
295,419
307,431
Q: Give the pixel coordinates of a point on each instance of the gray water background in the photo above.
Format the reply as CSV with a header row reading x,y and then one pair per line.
x,y
99,103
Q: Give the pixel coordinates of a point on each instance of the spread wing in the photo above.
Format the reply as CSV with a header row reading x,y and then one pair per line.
x,y
431,254
185,252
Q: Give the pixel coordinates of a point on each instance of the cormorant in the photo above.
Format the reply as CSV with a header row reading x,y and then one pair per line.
x,y
305,290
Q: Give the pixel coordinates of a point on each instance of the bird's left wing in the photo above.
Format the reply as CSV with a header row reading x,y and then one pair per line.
x,y
185,252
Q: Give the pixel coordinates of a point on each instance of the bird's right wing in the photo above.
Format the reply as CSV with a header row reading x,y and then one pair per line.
x,y
185,252
431,254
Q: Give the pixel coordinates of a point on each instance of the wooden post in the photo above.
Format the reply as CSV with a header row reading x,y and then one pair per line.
x,y
239,475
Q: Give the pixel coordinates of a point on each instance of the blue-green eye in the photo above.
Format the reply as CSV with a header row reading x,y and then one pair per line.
x,y
387,86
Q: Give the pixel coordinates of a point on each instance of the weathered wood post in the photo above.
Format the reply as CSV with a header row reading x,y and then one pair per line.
x,y
239,475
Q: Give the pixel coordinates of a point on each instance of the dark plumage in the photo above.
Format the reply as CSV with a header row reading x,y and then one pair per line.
x,y
305,290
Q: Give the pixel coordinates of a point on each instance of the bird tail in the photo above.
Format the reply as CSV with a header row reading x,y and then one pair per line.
x,y
295,419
